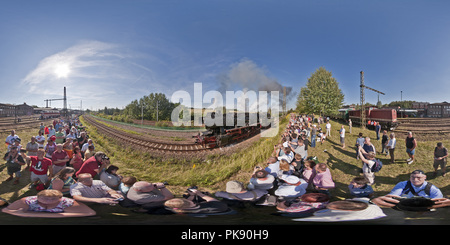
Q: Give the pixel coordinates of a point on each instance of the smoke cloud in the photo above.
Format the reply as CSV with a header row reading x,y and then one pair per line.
x,y
246,75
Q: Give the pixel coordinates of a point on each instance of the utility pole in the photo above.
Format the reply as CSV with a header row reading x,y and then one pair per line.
x,y
363,111
284,100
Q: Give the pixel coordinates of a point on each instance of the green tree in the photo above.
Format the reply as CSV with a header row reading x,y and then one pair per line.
x,y
321,95
153,106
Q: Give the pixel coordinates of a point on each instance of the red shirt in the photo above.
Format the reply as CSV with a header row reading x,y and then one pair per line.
x,y
40,167
89,166
58,156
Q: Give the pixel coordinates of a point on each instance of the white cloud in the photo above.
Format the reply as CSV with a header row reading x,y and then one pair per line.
x,y
91,71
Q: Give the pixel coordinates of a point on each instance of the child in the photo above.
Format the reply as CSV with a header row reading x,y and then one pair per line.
x,y
298,165
126,184
308,170
285,168
359,187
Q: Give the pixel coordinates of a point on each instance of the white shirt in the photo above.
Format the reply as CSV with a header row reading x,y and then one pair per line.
x,y
392,143
10,138
40,138
342,132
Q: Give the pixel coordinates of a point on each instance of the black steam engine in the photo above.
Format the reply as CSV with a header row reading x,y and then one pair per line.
x,y
235,128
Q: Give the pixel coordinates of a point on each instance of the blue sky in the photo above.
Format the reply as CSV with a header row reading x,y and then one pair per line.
x,y
108,53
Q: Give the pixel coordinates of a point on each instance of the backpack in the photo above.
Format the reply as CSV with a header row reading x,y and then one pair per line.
x,y
408,188
377,166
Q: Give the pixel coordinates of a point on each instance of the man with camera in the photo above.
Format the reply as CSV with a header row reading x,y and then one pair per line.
x,y
94,165
416,186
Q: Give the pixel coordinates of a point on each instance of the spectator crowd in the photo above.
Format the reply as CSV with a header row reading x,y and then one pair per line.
x,y
70,174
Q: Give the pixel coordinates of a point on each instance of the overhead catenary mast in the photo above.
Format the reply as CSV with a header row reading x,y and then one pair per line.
x,y
64,105
363,110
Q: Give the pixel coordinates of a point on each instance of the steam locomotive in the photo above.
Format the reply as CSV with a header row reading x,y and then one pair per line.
x,y
235,128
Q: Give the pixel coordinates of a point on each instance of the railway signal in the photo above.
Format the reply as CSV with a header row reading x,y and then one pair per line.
x,y
363,111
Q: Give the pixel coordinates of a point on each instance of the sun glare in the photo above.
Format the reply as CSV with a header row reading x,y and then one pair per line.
x,y
62,70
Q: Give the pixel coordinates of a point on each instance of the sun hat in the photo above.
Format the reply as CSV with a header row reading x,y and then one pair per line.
x,y
234,186
291,180
261,173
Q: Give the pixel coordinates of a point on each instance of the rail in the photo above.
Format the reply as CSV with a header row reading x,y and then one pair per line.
x,y
142,142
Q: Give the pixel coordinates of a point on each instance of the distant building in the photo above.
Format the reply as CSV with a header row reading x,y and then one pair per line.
x,y
420,105
9,110
439,109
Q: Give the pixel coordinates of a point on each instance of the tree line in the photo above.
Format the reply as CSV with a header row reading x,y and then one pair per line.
x,y
153,107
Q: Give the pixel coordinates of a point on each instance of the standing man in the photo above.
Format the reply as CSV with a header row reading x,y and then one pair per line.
x,y
51,131
32,148
328,127
359,142
41,168
10,139
368,146
377,129
59,158
411,145
40,139
440,158
313,136
350,124
391,146
342,133
60,136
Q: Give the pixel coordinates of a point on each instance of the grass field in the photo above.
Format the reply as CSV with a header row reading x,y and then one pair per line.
x,y
212,173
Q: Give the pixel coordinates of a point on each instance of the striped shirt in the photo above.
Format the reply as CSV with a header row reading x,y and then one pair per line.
x,y
98,189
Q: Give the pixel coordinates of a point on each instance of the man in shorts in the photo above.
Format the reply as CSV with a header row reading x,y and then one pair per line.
x,y
411,145
40,168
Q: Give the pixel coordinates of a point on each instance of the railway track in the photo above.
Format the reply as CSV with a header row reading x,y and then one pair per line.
x,y
429,128
7,124
142,142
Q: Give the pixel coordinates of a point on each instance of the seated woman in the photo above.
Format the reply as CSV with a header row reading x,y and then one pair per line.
x,y
110,177
48,204
196,203
63,180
